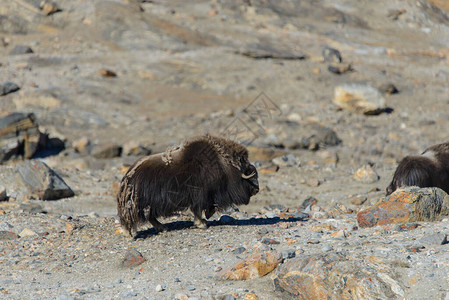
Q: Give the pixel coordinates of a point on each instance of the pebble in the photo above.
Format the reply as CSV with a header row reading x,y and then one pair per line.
x,y
160,287
326,248
366,174
289,253
27,232
21,49
239,250
288,160
191,288
3,196
331,55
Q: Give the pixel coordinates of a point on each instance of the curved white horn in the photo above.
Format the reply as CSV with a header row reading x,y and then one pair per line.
x,y
248,176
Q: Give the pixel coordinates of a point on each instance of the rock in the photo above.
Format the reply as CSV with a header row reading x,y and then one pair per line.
x,y
408,204
358,200
8,235
269,169
313,182
107,151
19,136
27,232
316,136
49,7
358,98
132,258
268,50
81,145
135,149
269,241
8,88
5,226
434,239
159,288
33,208
107,73
3,196
288,160
226,220
21,49
336,276
38,101
256,265
331,55
239,250
340,68
263,153
190,288
388,89
366,174
328,157
42,181
289,253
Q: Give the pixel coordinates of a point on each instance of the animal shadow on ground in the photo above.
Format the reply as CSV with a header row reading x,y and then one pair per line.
x,y
179,225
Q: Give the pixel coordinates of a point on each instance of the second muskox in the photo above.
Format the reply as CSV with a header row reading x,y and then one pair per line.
x,y
430,169
204,174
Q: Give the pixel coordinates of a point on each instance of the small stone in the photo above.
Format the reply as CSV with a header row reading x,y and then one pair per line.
x,y
3,196
313,182
339,234
287,254
239,250
27,232
322,227
49,7
180,296
359,99
328,157
159,288
132,258
8,88
270,169
107,73
251,296
366,174
331,55
217,269
434,239
269,241
288,160
135,149
388,89
8,235
81,144
21,49
358,200
5,226
191,288
408,204
107,151
326,248
339,68
256,265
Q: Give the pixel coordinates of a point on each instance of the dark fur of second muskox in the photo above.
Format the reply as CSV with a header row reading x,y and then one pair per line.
x,y
204,174
430,169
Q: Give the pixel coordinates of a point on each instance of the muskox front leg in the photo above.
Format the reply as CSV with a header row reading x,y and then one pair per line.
x,y
157,225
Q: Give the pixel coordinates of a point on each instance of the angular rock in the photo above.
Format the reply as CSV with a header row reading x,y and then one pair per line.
x,y
135,149
49,7
26,232
256,265
8,88
3,196
288,160
316,137
409,204
388,89
42,181
266,50
331,55
336,276
107,73
340,68
81,144
19,136
366,174
8,235
21,49
434,239
107,151
132,258
360,99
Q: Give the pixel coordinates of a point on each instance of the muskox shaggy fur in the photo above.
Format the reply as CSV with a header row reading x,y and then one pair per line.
x,y
430,169
203,174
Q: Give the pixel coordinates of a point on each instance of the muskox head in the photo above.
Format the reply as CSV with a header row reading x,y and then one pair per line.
x,y
430,169
204,174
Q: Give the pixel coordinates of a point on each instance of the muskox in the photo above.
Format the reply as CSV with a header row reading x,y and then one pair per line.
x,y
430,169
205,173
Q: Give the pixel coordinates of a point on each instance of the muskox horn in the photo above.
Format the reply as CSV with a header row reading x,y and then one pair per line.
x,y
248,176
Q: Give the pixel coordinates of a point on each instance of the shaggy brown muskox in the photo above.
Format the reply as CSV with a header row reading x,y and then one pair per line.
x,y
430,169
204,174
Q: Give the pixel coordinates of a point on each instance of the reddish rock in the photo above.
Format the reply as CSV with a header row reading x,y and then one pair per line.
x,y
132,258
336,276
257,265
410,204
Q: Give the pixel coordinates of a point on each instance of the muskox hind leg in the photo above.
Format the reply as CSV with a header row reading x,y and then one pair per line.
x,y
199,222
157,225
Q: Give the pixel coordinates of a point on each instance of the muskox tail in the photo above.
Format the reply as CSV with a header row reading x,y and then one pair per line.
x,y
127,205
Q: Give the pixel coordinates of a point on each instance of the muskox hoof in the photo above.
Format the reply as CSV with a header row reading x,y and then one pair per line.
x,y
200,223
